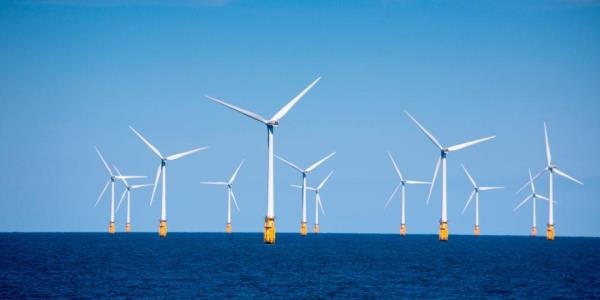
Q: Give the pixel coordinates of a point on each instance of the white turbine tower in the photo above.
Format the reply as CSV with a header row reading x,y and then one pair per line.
x,y
304,172
269,229
475,192
443,153
230,195
403,182
127,191
552,169
162,170
318,202
533,196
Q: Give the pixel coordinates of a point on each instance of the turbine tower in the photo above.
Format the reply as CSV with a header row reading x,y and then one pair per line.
x,y
230,195
269,229
403,182
127,191
318,203
304,172
552,169
443,235
476,190
162,170
533,196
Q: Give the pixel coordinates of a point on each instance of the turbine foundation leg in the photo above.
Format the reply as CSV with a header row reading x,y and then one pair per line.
x,y
111,227
443,231
403,229
533,231
269,235
303,229
162,229
228,228
128,228
316,229
550,232
476,231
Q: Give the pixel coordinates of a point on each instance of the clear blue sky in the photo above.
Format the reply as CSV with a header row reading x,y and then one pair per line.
x,y
75,75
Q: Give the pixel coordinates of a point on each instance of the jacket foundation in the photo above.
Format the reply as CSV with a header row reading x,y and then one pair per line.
x,y
533,231
228,228
111,227
128,228
403,229
162,229
476,230
443,231
550,232
316,228
303,229
269,235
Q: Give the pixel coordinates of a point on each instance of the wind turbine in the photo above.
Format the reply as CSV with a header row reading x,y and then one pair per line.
x,y
111,181
318,202
552,169
533,196
162,170
403,182
304,172
443,153
476,190
230,194
269,232
127,191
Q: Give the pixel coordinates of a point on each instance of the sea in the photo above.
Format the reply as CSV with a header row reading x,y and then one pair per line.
x,y
323,266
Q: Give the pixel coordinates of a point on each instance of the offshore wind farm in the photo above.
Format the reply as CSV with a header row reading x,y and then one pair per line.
x,y
344,197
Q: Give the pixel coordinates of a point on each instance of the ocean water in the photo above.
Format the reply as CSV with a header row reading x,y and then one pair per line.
x,y
215,265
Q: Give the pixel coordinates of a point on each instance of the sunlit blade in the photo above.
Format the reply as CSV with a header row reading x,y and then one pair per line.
x,y
523,202
103,161
469,201
541,197
139,186
158,171
299,187
320,204
121,200
236,172
183,154
531,180
435,172
240,110
147,143
124,180
130,177
214,182
395,166
234,201
467,144
561,173
489,188
548,154
102,193
392,196
289,163
469,175
291,104
429,135
324,180
315,165
416,182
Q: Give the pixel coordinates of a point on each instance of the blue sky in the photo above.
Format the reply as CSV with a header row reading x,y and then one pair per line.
x,y
76,75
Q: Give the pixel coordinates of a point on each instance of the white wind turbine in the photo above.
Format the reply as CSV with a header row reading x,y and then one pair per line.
x,y
269,233
443,153
475,192
127,191
304,172
111,181
552,169
318,202
533,196
162,170
403,182
230,195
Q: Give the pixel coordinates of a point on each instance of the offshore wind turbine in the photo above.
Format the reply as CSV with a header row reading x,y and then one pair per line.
x,y
304,172
230,195
269,229
111,181
162,170
127,191
443,235
318,203
403,182
533,196
552,169
476,190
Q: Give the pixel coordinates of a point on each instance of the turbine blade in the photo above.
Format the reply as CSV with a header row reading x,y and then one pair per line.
x,y
469,201
213,183
548,154
120,176
291,104
236,172
130,177
563,174
315,165
289,163
147,143
468,144
103,161
396,166
102,193
523,202
469,175
435,172
416,182
489,188
392,196
324,180
139,186
542,197
429,135
531,180
121,200
183,154
234,201
247,113
320,204
297,186
158,171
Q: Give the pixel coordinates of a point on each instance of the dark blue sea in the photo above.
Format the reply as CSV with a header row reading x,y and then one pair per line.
x,y
215,265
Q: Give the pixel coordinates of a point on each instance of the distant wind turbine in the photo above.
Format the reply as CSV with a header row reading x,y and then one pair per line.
x,y
230,195
318,203
476,190
533,196
127,191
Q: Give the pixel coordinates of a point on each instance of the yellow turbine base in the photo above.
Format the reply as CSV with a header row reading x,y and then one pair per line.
x,y
316,228
533,231
111,227
162,229
476,231
550,232
228,228
303,229
128,228
269,235
403,229
443,231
